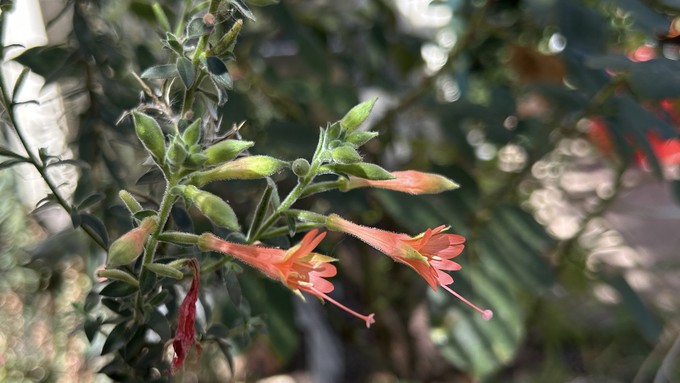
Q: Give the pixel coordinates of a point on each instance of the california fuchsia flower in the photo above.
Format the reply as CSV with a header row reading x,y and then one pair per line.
x,y
298,267
185,336
409,181
428,253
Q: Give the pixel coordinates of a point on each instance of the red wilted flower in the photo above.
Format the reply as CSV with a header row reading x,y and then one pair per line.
x,y
428,253
185,336
408,181
298,267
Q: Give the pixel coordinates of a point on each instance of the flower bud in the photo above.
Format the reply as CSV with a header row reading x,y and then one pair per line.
x,y
164,270
300,167
224,151
213,207
359,138
346,155
176,154
130,202
196,160
243,168
357,115
408,181
118,275
227,42
150,134
130,245
192,134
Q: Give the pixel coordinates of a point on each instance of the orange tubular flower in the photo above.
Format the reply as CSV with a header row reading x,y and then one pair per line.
x,y
428,253
298,267
408,181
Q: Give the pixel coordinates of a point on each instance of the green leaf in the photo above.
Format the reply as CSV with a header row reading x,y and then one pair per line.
x,y
161,17
118,337
118,289
243,9
96,224
362,169
90,200
172,43
160,72
152,176
218,72
262,208
196,28
91,327
656,79
346,154
159,323
186,71
647,323
233,287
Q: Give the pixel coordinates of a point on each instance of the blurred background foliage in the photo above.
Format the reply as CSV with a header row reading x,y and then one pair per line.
x,y
558,118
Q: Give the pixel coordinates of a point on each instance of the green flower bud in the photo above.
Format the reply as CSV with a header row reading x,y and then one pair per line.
x,y
359,138
213,207
227,42
176,154
226,150
150,134
196,160
192,134
130,245
130,202
243,168
357,115
118,275
300,167
164,270
346,155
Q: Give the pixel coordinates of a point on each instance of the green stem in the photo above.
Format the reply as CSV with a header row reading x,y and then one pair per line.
x,y
321,187
300,226
39,166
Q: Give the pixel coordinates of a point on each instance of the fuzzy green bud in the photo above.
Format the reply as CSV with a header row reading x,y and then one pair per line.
x,y
244,168
226,150
164,270
346,155
300,167
118,275
176,154
359,138
357,115
130,245
227,42
150,134
213,207
192,134
130,202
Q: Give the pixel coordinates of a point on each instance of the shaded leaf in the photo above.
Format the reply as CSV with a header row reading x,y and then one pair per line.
x,y
152,176
186,71
160,72
117,289
96,225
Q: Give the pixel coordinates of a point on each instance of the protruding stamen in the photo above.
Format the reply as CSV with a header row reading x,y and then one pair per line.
x,y
486,314
369,319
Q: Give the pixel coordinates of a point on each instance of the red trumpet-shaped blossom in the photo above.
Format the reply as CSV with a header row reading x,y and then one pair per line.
x,y
298,267
185,336
428,253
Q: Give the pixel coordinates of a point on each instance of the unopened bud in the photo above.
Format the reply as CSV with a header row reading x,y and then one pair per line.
x,y
226,150
357,115
176,154
209,19
300,167
192,134
150,134
213,207
243,168
346,155
227,42
165,270
359,138
118,275
130,245
130,202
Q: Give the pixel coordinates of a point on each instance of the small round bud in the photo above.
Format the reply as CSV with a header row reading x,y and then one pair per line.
x,y
300,167
209,19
